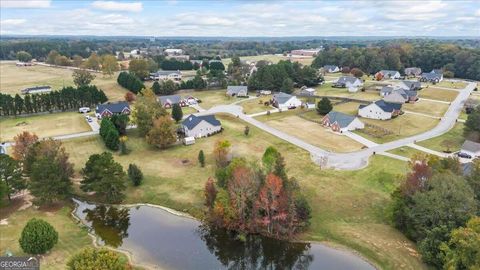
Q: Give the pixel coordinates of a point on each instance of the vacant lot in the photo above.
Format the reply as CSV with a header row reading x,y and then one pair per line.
x,y
427,107
453,139
348,108
256,105
185,110
328,90
438,94
212,98
349,207
45,125
13,79
454,85
406,151
403,126
274,58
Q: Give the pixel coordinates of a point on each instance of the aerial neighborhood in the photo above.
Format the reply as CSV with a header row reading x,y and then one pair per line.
x,y
203,152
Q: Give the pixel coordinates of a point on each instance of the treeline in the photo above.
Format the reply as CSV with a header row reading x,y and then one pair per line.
x,y
172,64
65,99
281,75
253,199
438,208
130,82
462,62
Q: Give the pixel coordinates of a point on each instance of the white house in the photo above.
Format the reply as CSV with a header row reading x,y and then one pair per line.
x,y
350,82
379,110
163,75
390,74
285,101
237,91
201,126
340,122
331,69
173,51
471,148
307,92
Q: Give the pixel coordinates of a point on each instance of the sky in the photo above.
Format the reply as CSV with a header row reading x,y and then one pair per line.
x,y
240,18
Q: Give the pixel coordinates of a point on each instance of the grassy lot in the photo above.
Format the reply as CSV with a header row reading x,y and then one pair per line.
x,y
348,108
45,125
328,90
272,58
438,94
454,85
406,151
310,132
453,136
349,207
403,126
71,237
185,110
212,98
255,105
13,79
427,107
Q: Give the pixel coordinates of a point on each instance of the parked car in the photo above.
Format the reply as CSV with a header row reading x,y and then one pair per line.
x,y
463,155
84,110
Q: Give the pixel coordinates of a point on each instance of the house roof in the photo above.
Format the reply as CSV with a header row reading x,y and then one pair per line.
x,y
112,107
411,84
387,89
345,79
235,89
281,97
385,106
390,73
167,72
310,90
342,119
437,71
172,99
46,87
431,76
192,121
328,67
471,146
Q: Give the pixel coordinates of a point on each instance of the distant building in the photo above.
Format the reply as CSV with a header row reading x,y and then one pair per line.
x,y
389,74
201,126
380,110
340,122
37,90
434,76
109,109
168,101
471,148
237,91
350,82
307,92
163,75
285,101
409,85
331,68
306,52
399,95
171,52
413,71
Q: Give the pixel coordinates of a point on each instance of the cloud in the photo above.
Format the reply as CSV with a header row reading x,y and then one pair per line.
x,y
12,22
25,3
118,6
477,13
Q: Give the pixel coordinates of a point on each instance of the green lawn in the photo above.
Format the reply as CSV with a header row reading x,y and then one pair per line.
x,y
406,151
454,85
185,110
454,138
44,125
256,105
212,98
327,90
438,94
427,107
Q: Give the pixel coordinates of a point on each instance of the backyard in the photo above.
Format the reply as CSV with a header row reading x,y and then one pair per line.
x,y
256,105
449,84
211,98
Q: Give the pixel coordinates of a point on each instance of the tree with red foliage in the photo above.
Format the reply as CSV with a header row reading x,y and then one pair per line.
x,y
242,190
21,144
416,179
357,72
210,193
221,152
129,97
378,76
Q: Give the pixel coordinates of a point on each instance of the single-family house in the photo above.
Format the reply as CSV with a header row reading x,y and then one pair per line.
x,y
349,82
109,109
265,92
284,101
331,68
201,126
163,75
237,91
399,95
306,52
409,85
380,110
168,101
307,92
171,52
413,71
386,90
471,148
340,122
389,74
36,90
434,76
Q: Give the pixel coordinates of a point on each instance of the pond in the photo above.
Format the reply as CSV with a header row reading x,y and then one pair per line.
x,y
162,240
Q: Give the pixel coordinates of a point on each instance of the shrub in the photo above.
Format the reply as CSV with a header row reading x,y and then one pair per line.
x,y
38,237
91,258
201,158
135,174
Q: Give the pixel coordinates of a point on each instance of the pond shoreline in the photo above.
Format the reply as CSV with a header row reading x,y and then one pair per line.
x,y
129,254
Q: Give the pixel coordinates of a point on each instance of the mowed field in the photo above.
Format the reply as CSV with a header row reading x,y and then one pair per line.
x,y
438,94
13,79
274,58
453,138
44,125
256,105
427,107
327,90
350,208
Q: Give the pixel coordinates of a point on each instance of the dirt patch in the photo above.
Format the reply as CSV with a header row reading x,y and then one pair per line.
x,y
16,204
21,124
53,207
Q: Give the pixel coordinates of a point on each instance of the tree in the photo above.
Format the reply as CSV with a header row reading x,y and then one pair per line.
x,y
93,62
269,159
242,189
246,130
24,56
163,132
147,108
221,153
156,88
105,177
92,258
109,64
21,144
474,179
109,134
38,237
139,68
287,86
177,113
324,106
210,193
472,125
463,249
357,72
201,158
82,77
62,60
51,57
120,121
77,61
129,97
168,87
135,174
11,175
217,65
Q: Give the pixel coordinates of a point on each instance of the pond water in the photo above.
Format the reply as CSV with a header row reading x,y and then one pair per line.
x,y
161,239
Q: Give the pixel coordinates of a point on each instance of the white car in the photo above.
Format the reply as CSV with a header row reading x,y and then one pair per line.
x,y
84,110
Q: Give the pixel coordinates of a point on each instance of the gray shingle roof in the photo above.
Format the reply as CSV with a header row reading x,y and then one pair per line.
x,y
112,107
345,79
387,90
342,119
431,76
172,99
388,73
235,89
385,106
281,97
192,121
167,72
412,85
329,67
471,146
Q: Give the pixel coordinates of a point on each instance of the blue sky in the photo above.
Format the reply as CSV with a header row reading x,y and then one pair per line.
x,y
241,18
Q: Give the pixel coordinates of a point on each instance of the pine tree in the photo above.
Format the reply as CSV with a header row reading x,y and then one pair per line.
x,y
156,88
177,113
135,174
324,106
201,158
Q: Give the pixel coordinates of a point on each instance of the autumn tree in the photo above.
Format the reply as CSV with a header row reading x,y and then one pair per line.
x,y
109,64
11,175
147,108
357,72
82,77
52,55
139,68
163,133
77,61
210,193
463,249
242,189
21,144
93,62
221,153
177,113
102,258
130,97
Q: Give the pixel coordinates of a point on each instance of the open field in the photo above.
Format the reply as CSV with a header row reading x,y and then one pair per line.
x,y
406,151
185,110
13,79
438,94
212,98
453,137
256,105
349,207
310,132
454,85
400,127
44,125
328,90
426,107
274,58
71,237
